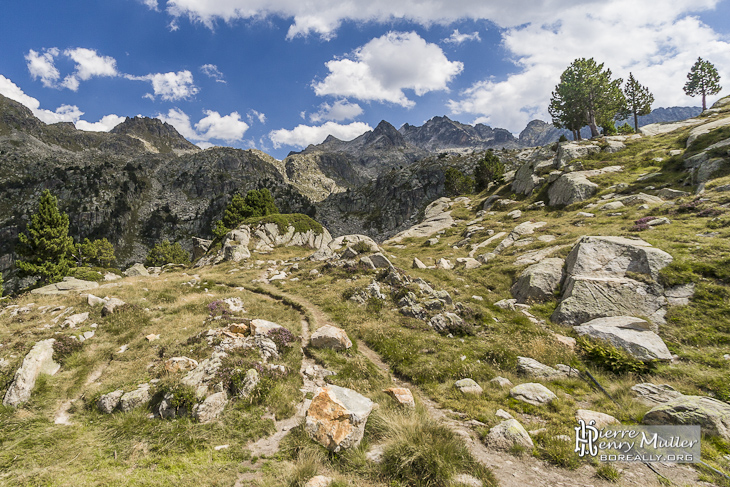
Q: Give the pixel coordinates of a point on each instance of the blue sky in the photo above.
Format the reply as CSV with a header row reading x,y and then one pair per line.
x,y
277,75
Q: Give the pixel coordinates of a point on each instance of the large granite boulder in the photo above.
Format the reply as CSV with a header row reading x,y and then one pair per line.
x,y
600,280
539,282
137,270
38,361
336,417
629,334
573,187
711,414
532,368
573,150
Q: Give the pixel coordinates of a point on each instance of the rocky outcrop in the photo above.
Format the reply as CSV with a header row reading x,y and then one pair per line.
x,y
436,218
567,151
38,361
66,286
336,417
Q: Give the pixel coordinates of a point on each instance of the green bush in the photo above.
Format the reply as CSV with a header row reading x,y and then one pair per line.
x,y
457,182
625,129
167,253
563,138
609,128
98,253
489,169
610,358
255,204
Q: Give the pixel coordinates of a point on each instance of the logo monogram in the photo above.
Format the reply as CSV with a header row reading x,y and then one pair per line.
x,y
585,436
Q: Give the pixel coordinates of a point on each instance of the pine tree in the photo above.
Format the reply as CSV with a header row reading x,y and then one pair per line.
x,y
46,248
703,80
256,203
638,100
586,95
488,169
98,252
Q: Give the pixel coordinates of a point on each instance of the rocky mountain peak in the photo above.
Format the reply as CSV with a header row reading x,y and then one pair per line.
x,y
161,135
385,136
14,115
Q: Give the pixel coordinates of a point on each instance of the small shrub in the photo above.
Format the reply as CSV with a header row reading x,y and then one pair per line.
x,y
639,227
625,129
281,337
710,212
348,293
610,358
167,253
64,346
218,308
456,182
488,169
86,274
361,247
563,138
374,305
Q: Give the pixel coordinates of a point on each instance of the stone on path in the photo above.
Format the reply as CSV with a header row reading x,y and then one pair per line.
x,y
332,337
402,395
533,393
508,434
336,417
38,361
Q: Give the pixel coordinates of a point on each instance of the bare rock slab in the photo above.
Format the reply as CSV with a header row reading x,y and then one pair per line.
x,y
629,334
507,434
539,282
262,327
337,416
653,394
69,284
332,337
712,415
533,393
38,361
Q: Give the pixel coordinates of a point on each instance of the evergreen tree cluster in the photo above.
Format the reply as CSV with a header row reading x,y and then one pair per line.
x,y
255,204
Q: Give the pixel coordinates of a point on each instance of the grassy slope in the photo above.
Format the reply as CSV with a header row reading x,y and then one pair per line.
x,y
130,449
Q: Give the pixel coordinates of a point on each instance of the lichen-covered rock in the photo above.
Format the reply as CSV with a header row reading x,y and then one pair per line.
x,y
202,376
336,417
134,399
107,403
652,394
508,434
250,381
629,334
533,368
211,408
533,393
711,414
468,386
539,282
332,337
38,361
600,419
178,364
572,150
573,187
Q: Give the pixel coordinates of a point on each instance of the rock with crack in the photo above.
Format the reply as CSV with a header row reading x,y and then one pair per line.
x,y
211,407
568,151
600,280
539,282
74,320
332,337
263,327
629,334
533,393
521,230
508,434
250,380
336,417
201,378
712,415
653,394
38,361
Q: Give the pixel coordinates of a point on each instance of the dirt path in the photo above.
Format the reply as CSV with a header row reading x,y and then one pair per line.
x,y
62,415
510,470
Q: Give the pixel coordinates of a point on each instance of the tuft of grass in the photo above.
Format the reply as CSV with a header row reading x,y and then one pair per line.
x,y
607,471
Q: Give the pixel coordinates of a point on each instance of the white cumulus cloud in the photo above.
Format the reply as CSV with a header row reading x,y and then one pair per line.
x,y
212,71
229,128
339,111
254,115
64,113
323,17
42,65
457,37
170,86
384,67
303,135
105,124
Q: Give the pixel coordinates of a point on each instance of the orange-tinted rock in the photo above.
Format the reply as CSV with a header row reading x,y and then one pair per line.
x,y
337,416
402,395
